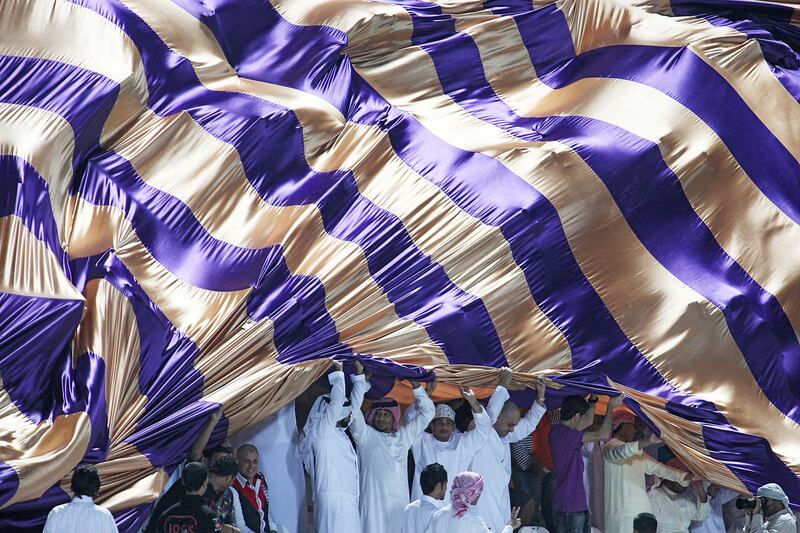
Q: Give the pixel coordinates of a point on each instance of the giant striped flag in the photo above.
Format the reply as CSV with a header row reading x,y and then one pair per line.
x,y
202,202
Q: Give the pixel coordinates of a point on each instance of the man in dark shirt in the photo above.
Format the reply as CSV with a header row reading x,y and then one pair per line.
x,y
217,495
190,515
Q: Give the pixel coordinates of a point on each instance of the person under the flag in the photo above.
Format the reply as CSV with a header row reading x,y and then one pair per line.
x,y
382,447
454,451
674,506
419,513
493,460
251,485
459,516
625,465
331,460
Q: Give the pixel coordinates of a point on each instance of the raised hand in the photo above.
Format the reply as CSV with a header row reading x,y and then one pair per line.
x,y
430,386
504,379
541,388
616,401
515,521
337,365
359,367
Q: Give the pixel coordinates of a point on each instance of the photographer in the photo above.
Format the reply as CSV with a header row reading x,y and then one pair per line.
x,y
772,513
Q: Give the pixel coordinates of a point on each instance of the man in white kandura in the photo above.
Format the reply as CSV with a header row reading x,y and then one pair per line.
x,y
674,506
331,460
626,464
459,516
454,451
382,448
493,460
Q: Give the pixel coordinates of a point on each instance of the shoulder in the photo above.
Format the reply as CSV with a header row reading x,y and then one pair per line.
x,y
103,511
58,509
413,505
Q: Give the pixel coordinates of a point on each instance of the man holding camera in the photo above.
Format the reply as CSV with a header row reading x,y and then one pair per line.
x,y
771,513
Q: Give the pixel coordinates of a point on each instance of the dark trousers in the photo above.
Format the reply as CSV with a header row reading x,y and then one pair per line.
x,y
573,522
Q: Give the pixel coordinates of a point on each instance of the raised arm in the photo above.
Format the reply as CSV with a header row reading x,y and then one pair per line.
x,y
422,417
196,451
331,415
604,431
475,438
500,395
358,426
663,471
529,422
616,451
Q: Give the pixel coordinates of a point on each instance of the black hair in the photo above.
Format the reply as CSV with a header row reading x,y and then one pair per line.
x,y
208,453
645,523
85,481
194,474
573,405
432,475
225,466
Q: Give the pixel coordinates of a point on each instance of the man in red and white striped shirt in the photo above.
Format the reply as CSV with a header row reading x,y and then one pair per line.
x,y
252,488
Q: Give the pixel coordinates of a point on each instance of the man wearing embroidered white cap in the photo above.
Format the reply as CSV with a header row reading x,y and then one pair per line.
x,y
454,451
331,460
772,513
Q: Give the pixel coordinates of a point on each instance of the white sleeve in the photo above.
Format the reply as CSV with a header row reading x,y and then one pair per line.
x,y
616,451
784,525
702,511
475,438
409,524
423,416
49,526
757,524
358,426
528,423
496,402
663,471
331,415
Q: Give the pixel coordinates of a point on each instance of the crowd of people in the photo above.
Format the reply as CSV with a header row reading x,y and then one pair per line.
x,y
452,468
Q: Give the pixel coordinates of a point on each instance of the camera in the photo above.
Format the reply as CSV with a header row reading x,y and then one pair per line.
x,y
747,504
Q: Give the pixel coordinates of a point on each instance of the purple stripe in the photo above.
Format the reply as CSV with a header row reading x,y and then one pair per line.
x,y
24,193
549,44
769,25
82,97
528,221
34,337
419,288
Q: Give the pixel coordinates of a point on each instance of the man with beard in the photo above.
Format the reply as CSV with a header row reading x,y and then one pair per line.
x,y
382,447
454,451
331,460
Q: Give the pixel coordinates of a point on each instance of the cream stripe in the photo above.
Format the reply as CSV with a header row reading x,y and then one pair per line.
x,y
589,216
30,268
732,54
109,329
45,140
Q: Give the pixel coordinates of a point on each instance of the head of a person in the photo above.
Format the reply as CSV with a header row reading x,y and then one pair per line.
x,y
210,455
674,486
195,478
575,413
247,459
443,423
85,481
645,523
433,481
623,425
222,472
384,415
465,491
508,419
773,499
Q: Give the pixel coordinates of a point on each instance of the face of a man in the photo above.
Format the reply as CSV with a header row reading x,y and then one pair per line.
x,y
442,428
248,464
382,420
771,506
506,423
214,456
